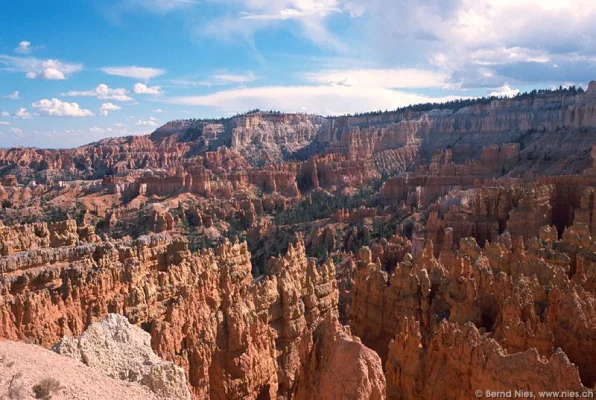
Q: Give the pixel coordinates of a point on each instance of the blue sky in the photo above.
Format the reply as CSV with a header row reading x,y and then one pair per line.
x,y
75,71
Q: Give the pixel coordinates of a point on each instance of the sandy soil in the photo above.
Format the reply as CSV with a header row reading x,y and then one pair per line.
x,y
22,366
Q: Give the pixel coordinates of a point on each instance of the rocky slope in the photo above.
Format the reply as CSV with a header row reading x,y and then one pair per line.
x,y
234,337
28,372
555,124
112,359
401,255
122,351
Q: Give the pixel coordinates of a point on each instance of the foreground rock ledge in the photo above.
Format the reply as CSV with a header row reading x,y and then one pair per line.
x,y
123,351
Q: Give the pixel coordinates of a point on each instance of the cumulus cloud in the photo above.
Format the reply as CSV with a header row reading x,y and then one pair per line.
x,y
4,114
58,108
5,123
476,43
140,88
479,37
22,113
35,68
326,100
107,107
141,73
102,92
505,91
158,110
152,122
12,96
25,47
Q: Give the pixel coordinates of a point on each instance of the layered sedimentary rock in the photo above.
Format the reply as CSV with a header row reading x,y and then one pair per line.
x,y
466,361
511,315
533,132
234,337
463,239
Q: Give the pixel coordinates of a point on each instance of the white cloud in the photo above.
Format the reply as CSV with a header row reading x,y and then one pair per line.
x,y
295,9
380,78
25,47
505,91
59,108
147,122
16,131
4,114
95,129
502,55
13,96
22,113
107,107
216,80
51,74
141,88
255,15
156,6
326,100
510,39
142,73
63,138
102,92
467,39
5,123
35,68
233,78
158,110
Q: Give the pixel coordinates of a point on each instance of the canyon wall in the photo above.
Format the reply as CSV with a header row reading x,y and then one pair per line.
x,y
235,337
512,315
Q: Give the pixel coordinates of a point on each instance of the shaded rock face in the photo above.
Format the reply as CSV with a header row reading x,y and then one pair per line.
x,y
255,345
123,351
464,361
511,315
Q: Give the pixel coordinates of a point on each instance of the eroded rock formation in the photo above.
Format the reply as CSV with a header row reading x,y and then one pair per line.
x,y
456,244
515,316
234,337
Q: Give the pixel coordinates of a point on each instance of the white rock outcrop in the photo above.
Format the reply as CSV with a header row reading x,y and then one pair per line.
x,y
123,351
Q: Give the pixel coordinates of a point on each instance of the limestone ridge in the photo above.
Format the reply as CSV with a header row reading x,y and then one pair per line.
x,y
271,137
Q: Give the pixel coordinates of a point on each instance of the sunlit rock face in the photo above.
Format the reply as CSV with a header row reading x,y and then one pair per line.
x,y
400,255
233,336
